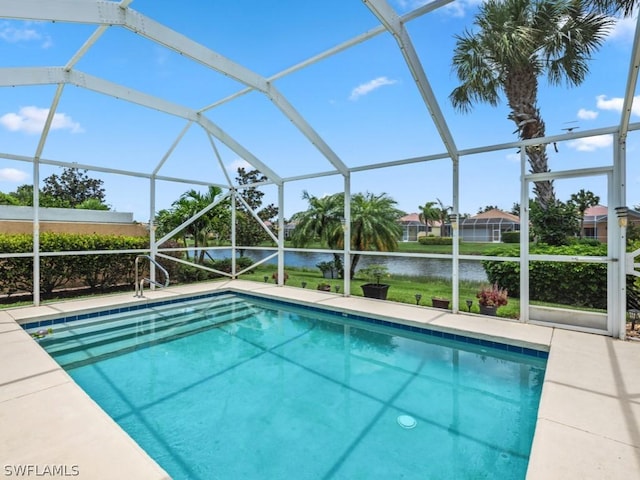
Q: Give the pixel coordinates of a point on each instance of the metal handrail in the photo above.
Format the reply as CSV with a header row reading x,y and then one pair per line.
x,y
140,283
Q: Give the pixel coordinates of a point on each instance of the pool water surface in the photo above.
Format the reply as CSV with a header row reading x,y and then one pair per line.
x,y
233,386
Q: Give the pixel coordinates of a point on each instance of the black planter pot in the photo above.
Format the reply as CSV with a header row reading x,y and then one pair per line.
x,y
440,303
489,310
375,290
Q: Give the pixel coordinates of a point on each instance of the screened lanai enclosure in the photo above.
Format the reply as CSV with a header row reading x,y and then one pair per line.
x,y
340,96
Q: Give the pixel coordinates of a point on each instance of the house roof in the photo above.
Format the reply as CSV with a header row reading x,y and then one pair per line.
x,y
411,217
414,219
596,211
494,213
599,213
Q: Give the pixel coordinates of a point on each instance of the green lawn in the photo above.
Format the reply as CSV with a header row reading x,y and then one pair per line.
x,y
402,289
466,248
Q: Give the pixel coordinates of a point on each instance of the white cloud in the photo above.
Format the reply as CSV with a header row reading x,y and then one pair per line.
x,y
623,30
513,157
12,175
238,163
615,104
458,8
584,114
407,5
24,33
369,87
31,120
589,144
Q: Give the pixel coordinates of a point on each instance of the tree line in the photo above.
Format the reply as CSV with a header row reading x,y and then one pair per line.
x,y
513,45
73,188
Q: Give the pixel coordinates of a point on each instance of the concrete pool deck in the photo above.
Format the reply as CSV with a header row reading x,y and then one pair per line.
x,y
588,422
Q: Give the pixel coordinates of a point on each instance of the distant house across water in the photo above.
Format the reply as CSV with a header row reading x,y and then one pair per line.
x,y
413,228
595,222
488,226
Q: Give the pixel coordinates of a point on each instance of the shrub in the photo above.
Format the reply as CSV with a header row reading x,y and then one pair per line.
x,y
555,223
493,296
511,237
593,242
375,272
224,264
189,274
328,269
576,283
98,271
104,271
16,272
435,240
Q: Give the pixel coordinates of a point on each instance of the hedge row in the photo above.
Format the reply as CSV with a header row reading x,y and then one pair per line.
x,y
435,240
510,237
98,272
573,283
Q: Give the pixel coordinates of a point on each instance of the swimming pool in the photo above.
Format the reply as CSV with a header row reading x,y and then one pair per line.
x,y
232,386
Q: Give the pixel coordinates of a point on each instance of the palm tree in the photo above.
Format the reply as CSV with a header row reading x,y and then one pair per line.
x,y
517,42
582,201
188,205
443,214
612,7
429,213
374,224
322,221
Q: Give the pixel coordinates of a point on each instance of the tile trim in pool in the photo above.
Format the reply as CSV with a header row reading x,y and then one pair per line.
x,y
411,328
422,330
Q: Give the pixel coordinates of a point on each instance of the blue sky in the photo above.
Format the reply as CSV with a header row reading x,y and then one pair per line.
x,y
362,102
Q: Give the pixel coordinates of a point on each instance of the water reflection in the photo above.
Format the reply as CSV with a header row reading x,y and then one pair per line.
x,y
417,267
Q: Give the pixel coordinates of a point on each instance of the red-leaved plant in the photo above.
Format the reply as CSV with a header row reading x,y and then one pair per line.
x,y
493,296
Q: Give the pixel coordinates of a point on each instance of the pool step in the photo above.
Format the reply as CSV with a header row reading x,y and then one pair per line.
x,y
96,353
101,323
95,345
141,325
90,353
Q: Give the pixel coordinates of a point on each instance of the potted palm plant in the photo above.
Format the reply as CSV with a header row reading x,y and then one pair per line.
x,y
274,277
375,290
490,298
328,269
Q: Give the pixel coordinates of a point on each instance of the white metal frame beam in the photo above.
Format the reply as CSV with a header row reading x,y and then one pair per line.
x,y
287,109
254,214
392,22
106,14
192,219
58,75
109,13
363,37
57,163
632,80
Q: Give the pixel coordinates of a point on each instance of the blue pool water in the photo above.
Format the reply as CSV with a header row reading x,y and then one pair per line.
x,y
234,387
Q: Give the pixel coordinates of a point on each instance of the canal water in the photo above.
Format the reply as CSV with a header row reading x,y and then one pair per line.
x,y
409,266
